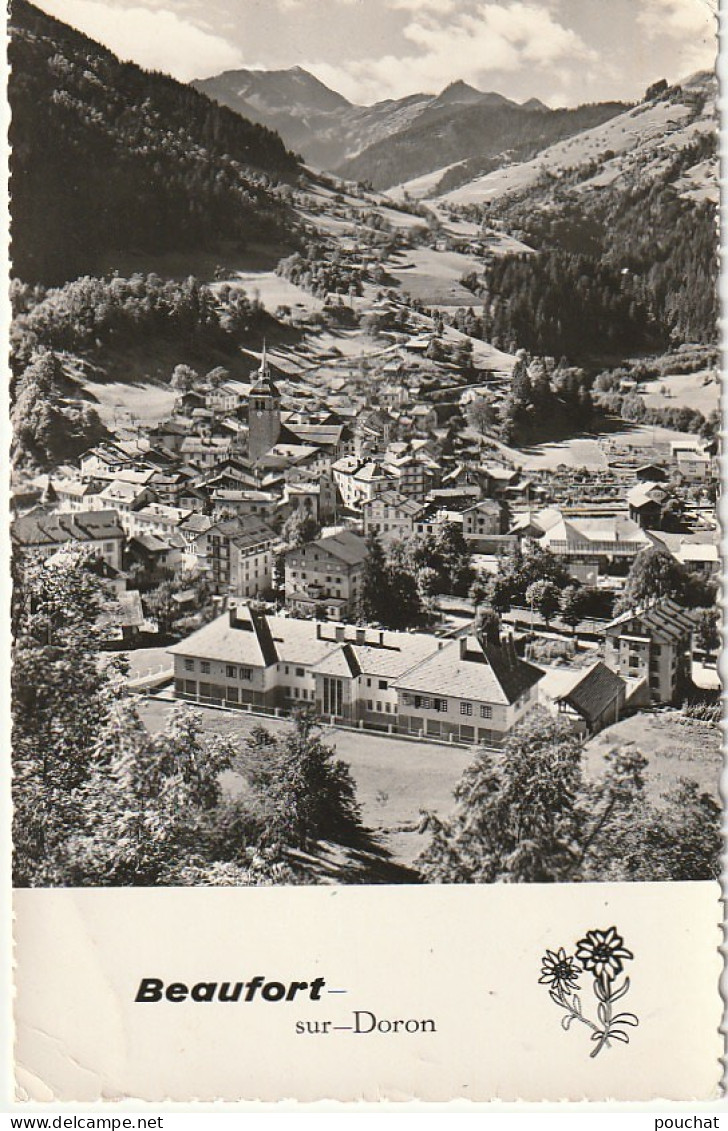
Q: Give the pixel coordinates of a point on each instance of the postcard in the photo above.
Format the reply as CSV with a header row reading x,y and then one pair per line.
x,y
365,550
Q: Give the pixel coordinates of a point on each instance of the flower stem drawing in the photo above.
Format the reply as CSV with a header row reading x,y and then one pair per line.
x,y
601,955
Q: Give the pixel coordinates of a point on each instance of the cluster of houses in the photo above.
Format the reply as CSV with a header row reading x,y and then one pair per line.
x,y
208,490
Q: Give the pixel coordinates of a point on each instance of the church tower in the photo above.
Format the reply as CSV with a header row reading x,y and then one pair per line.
x,y
264,413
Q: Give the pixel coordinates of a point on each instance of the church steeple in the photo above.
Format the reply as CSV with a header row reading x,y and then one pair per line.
x,y
264,411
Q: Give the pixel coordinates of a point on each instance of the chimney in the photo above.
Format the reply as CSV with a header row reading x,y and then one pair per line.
x,y
463,646
361,636
381,639
318,630
340,632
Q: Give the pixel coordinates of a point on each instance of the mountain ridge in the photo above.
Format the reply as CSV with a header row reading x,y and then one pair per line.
x,y
332,133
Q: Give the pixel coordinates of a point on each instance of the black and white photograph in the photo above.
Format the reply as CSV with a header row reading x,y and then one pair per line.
x,y
365,406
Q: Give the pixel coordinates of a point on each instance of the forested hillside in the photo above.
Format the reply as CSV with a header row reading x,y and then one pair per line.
x,y
486,133
635,269
110,158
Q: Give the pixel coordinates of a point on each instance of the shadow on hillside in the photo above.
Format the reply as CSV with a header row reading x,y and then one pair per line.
x,y
554,434
365,861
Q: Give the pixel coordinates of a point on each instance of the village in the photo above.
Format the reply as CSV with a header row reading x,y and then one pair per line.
x,y
236,533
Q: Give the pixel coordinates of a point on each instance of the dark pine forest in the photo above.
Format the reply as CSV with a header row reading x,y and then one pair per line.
x,y
107,157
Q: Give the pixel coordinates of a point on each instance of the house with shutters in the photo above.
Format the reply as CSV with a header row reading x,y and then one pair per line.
x,y
391,516
325,577
469,689
44,534
239,556
653,642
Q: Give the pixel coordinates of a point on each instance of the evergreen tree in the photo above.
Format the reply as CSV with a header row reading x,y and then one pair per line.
x,y
374,581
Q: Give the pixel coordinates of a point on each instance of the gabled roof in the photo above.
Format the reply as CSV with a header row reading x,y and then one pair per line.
x,y
119,490
403,503
41,529
663,618
470,670
347,546
196,523
593,692
244,531
78,488
643,493
318,434
608,528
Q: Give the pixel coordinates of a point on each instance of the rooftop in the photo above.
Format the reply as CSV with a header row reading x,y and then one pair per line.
x,y
467,669
39,529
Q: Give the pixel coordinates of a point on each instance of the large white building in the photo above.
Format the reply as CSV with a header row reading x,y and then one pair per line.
x,y
413,683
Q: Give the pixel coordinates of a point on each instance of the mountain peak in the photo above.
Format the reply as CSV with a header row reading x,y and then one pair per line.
x,y
535,104
462,93
261,93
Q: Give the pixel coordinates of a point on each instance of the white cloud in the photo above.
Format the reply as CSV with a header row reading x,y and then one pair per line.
x,y
691,23
486,37
158,40
678,17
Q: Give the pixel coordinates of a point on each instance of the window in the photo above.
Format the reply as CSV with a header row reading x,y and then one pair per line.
x,y
231,671
466,708
300,671
379,707
406,699
189,665
388,708
440,704
232,694
486,712
382,685
205,667
246,673
370,705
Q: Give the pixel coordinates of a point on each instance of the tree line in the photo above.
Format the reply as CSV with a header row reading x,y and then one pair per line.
x,y
631,267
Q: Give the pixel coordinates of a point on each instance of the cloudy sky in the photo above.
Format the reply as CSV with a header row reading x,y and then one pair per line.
x,y
562,51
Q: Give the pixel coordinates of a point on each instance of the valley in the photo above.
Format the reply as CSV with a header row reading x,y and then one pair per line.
x,y
396,420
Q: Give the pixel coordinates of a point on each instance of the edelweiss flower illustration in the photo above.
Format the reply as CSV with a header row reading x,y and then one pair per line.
x,y
598,958
560,970
602,952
